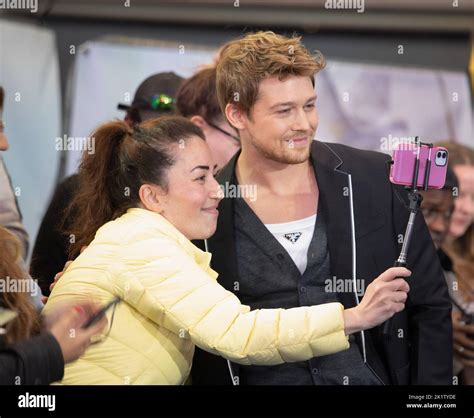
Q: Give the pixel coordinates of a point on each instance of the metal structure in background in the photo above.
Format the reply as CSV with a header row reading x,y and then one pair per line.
x,y
310,15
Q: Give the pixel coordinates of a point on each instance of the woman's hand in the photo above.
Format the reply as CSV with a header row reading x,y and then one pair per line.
x,y
59,275
383,298
44,299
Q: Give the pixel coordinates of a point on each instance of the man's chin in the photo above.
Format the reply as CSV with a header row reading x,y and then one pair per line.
x,y
296,156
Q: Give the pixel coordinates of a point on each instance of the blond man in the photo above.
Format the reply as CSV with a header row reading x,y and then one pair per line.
x,y
324,223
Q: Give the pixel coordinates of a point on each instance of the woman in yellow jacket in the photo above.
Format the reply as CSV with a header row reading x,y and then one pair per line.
x,y
144,194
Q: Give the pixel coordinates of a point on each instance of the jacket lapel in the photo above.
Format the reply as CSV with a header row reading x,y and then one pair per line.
x,y
334,200
222,244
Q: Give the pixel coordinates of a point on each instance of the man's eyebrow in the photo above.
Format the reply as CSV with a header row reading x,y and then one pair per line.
x,y
292,103
282,104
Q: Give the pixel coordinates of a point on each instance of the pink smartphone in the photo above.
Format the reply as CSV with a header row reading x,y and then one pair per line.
x,y
404,156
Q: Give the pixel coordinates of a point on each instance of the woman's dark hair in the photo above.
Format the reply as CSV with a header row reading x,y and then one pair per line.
x,y
123,160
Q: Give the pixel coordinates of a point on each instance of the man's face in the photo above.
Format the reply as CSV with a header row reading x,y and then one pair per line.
x,y
283,121
437,207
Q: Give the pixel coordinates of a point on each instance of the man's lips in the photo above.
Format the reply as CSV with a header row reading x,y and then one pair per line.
x,y
303,140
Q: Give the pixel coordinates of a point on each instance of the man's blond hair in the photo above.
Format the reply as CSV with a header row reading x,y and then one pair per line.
x,y
245,62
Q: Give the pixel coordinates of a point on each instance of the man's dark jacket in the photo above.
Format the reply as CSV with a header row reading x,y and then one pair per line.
x,y
419,348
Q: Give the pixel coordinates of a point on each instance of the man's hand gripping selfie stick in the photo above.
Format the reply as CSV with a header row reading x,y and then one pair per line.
x,y
415,202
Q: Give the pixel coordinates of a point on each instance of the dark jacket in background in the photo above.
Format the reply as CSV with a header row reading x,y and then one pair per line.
x,y
35,361
50,251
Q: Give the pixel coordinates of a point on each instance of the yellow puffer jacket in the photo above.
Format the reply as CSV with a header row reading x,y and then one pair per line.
x,y
171,302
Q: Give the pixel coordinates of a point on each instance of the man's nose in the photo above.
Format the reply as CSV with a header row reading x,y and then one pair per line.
x,y
301,122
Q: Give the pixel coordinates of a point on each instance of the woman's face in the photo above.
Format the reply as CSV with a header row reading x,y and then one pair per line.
x,y
191,200
463,214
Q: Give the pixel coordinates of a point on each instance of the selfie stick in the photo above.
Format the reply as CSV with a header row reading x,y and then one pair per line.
x,y
415,201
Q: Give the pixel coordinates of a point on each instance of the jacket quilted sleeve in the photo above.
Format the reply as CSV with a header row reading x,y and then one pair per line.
x,y
174,291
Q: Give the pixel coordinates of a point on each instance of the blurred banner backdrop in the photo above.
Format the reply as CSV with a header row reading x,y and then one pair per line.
x,y
374,106
363,105
29,73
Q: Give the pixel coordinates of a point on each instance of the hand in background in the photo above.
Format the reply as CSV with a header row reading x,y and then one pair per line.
x,y
463,344
65,324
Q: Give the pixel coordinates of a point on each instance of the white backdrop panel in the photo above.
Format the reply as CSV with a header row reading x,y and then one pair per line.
x,y
29,72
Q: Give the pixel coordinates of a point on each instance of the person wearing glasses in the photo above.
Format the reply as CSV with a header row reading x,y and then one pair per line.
x,y
196,100
153,191
459,246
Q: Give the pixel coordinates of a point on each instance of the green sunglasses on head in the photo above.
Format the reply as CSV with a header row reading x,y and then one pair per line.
x,y
161,102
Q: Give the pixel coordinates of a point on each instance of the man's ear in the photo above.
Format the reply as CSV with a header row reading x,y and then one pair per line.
x,y
235,116
152,197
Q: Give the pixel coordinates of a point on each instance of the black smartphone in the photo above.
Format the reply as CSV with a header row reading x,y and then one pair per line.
x,y
92,320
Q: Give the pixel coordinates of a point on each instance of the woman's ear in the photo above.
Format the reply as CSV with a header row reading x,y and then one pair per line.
x,y
152,197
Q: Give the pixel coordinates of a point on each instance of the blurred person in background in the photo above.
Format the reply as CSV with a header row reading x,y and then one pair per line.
x,y
10,216
197,100
459,246
437,207
34,350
